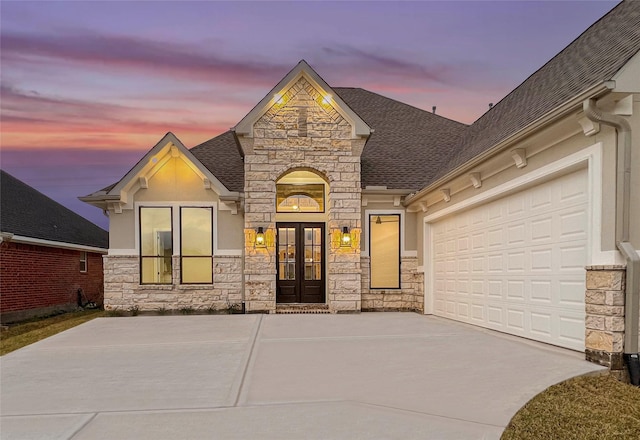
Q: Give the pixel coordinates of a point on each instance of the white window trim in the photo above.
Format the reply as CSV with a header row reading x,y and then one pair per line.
x,y
175,222
84,254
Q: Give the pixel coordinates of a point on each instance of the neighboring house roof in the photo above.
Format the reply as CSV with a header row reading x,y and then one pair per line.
x,y
592,58
29,213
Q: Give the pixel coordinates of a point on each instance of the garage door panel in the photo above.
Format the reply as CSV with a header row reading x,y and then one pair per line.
x,y
572,257
573,224
517,263
515,319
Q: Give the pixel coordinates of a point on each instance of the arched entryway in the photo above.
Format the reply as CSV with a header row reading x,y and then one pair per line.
x,y
301,216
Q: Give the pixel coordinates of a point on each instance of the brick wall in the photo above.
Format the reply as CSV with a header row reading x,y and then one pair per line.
x,y
36,278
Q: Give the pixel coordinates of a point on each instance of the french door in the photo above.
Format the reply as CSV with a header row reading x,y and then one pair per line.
x,y
300,263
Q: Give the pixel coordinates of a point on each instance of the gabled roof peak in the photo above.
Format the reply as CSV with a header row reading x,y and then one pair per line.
x,y
359,128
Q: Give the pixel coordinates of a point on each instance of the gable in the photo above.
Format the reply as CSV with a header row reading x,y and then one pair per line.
x,y
288,87
183,165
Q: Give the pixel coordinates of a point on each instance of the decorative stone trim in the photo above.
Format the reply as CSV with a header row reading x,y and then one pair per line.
x,y
123,291
604,321
410,296
324,145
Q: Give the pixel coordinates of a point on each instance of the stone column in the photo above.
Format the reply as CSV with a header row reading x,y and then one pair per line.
x,y
604,322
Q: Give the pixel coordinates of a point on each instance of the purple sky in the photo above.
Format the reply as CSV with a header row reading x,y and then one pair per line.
x,y
88,87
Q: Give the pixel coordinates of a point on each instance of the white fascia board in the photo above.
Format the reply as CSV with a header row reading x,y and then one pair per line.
x,y
560,111
589,157
359,128
163,148
56,244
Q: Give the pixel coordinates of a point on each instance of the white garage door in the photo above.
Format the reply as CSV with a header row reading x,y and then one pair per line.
x,y
516,264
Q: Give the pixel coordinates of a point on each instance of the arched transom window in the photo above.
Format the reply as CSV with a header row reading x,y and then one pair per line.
x,y
300,191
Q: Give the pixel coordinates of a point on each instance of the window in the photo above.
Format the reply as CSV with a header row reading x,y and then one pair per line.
x,y
156,245
196,231
83,261
300,197
384,250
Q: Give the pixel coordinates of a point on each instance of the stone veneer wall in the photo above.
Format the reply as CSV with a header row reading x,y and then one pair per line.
x,y
409,298
122,289
326,147
604,304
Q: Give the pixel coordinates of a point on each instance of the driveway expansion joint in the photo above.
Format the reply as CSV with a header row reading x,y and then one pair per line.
x,y
81,427
249,360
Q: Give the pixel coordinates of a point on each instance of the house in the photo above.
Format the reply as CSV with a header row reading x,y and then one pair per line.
x,y
341,200
48,254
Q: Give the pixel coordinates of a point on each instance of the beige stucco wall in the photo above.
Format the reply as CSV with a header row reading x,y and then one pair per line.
x,y
229,230
122,230
174,182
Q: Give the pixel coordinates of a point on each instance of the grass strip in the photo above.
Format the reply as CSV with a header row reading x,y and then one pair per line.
x,y
26,333
582,408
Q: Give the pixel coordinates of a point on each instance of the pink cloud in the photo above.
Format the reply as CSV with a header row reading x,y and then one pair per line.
x,y
135,54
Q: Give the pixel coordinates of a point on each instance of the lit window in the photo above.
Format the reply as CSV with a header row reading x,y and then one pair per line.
x,y
156,245
196,231
300,198
384,250
83,261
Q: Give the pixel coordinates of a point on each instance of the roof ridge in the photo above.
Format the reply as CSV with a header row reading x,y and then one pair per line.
x,y
548,61
403,104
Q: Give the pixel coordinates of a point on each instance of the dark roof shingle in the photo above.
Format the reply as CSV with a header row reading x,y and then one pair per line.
x,y
29,213
221,155
408,144
595,56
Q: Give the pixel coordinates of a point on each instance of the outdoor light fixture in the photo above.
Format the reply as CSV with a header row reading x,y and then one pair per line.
x,y
326,99
345,237
260,242
279,98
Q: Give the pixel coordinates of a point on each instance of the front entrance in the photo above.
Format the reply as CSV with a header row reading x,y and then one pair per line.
x,y
300,263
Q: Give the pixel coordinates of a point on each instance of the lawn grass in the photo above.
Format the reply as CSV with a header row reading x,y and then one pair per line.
x,y
582,408
23,334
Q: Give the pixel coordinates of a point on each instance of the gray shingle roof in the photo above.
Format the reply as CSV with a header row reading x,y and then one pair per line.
x,y
221,155
595,56
408,144
404,152
411,148
29,213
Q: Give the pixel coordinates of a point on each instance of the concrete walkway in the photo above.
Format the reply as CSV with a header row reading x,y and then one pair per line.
x,y
367,376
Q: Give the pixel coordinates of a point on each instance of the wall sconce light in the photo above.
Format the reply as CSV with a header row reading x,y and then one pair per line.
x,y
345,237
260,241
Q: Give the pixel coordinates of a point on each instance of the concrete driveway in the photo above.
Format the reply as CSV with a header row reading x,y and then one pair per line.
x,y
367,376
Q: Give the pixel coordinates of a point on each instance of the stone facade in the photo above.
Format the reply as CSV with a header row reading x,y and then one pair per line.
x,y
123,291
604,304
409,298
302,131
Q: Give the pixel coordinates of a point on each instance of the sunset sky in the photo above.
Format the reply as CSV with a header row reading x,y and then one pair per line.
x,y
88,87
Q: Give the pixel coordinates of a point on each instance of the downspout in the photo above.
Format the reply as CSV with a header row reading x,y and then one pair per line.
x,y
623,218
